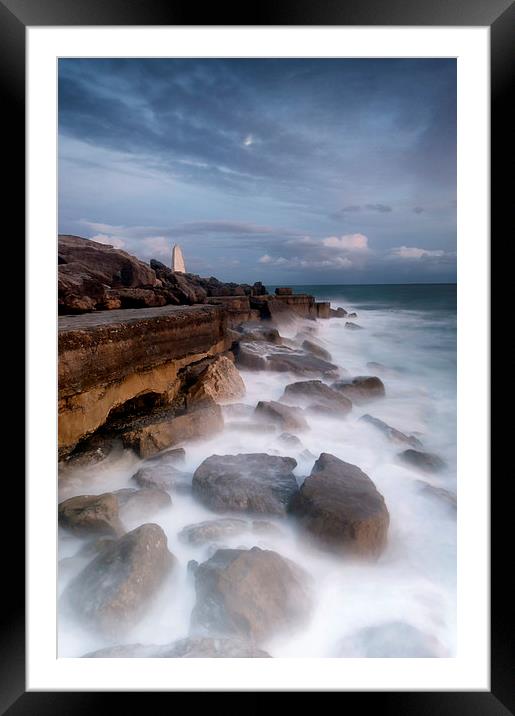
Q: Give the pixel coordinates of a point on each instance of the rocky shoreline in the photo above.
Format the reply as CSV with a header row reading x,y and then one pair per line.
x,y
150,361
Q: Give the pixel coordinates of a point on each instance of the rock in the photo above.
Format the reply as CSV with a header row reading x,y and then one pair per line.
x,y
220,381
290,440
203,532
352,326
392,434
91,514
202,421
162,476
133,503
341,508
337,313
300,364
316,350
115,589
394,639
250,355
254,482
134,298
283,291
314,392
448,498
238,410
425,461
255,332
190,648
361,389
253,594
168,457
323,309
268,529
352,315
286,417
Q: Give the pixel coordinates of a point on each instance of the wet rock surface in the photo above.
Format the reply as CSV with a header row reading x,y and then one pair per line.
x,y
255,482
115,589
423,461
394,435
91,515
190,648
361,389
252,594
340,507
315,392
286,417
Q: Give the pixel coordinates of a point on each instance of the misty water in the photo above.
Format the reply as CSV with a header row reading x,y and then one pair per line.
x,y
412,331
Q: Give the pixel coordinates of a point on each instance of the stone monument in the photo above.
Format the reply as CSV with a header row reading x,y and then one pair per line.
x,y
178,260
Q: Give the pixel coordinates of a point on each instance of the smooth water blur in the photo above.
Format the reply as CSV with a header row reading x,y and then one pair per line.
x,y
411,330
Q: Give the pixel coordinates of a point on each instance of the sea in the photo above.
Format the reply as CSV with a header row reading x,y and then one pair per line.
x,y
404,604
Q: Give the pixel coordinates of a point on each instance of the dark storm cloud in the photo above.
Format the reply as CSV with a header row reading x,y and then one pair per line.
x,y
246,154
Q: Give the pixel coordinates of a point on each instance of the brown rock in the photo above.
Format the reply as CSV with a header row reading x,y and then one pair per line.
x,y
341,508
361,389
392,434
210,530
143,503
337,313
255,483
283,291
313,392
286,417
252,594
91,514
220,381
424,461
115,589
317,350
352,326
134,298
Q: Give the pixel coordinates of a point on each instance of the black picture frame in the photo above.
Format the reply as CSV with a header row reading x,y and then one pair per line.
x,y
499,15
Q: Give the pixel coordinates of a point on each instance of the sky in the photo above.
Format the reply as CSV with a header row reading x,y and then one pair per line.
x,y
294,171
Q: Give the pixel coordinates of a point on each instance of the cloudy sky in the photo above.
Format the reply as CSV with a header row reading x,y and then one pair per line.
x,y
287,171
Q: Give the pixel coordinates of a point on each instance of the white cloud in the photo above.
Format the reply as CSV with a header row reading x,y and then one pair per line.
x,y
109,240
348,242
266,259
412,252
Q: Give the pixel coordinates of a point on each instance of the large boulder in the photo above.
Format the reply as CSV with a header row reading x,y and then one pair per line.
x,y
314,392
255,483
394,435
190,648
317,350
91,515
391,640
340,507
162,476
115,589
212,530
252,594
220,380
361,389
286,417
300,363
424,461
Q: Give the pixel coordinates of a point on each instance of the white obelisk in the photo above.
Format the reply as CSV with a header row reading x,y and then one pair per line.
x,y
178,259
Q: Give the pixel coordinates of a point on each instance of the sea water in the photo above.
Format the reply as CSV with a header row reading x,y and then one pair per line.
x,y
411,331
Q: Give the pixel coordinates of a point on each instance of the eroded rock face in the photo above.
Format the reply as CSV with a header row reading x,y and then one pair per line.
x,y
220,381
341,508
115,589
191,648
91,515
252,594
315,392
424,461
317,350
286,417
361,389
203,532
394,435
394,639
134,503
255,483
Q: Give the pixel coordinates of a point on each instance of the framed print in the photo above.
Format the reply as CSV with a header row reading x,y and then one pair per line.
x,y
258,451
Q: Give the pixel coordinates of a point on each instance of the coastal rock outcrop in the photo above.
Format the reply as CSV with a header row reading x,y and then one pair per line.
x,y
190,648
341,508
91,515
115,589
255,483
286,417
220,380
252,594
361,389
424,461
314,392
